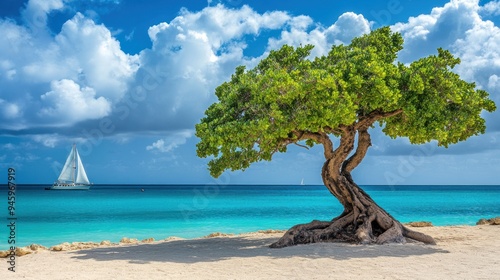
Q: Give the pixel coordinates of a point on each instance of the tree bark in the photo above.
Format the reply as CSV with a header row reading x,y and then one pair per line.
x,y
362,221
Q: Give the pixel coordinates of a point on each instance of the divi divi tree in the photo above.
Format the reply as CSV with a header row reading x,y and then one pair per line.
x,y
334,101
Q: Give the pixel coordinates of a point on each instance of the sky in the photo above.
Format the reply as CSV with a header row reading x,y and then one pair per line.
x,y
127,80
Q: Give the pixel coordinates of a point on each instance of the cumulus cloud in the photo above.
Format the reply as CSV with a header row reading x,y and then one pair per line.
x,y
35,66
479,51
82,73
96,57
425,33
491,8
189,57
84,52
196,51
218,24
36,11
170,142
347,26
69,104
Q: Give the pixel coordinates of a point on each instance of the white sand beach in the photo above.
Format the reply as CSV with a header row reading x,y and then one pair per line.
x,y
462,252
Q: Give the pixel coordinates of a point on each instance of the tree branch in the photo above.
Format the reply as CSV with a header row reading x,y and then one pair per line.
x,y
364,142
333,131
366,121
344,149
319,137
302,146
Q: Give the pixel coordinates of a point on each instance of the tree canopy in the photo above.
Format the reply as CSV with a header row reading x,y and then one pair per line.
x,y
288,98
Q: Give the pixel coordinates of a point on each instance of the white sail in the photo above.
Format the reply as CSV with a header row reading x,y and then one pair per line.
x,y
68,171
73,175
81,175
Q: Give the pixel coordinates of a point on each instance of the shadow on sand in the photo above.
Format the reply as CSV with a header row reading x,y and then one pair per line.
x,y
221,248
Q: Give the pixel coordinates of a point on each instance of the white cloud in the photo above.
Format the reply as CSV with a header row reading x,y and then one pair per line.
x,y
93,56
494,82
347,26
220,24
67,104
190,56
171,142
441,28
479,51
168,87
48,140
81,73
15,44
35,13
6,66
197,51
459,27
34,61
9,110
301,22
491,8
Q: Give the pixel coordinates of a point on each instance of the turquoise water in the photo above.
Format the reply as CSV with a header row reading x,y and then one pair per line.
x,y
113,212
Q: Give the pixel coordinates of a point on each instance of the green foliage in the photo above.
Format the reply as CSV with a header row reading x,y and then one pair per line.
x,y
262,110
437,104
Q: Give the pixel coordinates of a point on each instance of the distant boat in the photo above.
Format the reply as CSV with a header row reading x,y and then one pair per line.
x,y
73,176
302,182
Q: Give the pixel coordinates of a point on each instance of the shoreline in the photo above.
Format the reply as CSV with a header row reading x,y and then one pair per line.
x,y
462,252
124,241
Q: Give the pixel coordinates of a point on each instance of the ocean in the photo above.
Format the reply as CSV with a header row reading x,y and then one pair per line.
x,y
110,212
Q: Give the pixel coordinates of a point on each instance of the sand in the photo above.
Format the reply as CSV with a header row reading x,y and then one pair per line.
x,y
462,252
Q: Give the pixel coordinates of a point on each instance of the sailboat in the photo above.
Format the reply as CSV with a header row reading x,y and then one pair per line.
x,y
73,175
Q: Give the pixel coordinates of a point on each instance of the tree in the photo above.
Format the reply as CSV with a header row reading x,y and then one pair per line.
x,y
289,99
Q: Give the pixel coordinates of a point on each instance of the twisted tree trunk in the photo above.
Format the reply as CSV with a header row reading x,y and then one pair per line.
x,y
362,220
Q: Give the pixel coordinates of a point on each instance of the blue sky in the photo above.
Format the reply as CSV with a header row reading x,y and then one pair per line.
x,y
127,80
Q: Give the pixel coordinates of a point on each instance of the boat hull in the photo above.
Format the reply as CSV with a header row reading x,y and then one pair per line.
x,y
68,187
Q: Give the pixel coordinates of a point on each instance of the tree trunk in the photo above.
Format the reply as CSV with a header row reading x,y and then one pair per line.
x,y
362,221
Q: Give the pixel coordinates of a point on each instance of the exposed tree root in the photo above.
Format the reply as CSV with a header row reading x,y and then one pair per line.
x,y
418,236
363,222
343,229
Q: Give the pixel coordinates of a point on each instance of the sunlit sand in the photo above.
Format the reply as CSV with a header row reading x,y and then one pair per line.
x,y
462,252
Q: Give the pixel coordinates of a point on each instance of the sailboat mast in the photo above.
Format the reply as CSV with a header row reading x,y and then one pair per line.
x,y
74,163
